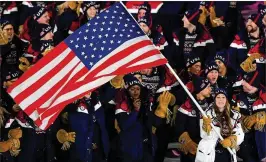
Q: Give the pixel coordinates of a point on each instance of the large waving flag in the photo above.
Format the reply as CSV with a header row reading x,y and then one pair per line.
x,y
110,44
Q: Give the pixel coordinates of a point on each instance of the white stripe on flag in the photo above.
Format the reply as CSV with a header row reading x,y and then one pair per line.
x,y
35,115
45,121
49,84
39,74
125,60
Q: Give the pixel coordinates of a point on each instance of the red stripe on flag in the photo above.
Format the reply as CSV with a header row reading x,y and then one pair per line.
x,y
41,63
35,86
48,94
69,84
38,122
51,110
60,106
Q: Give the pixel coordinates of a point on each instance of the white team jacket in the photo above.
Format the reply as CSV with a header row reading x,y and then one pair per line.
x,y
206,147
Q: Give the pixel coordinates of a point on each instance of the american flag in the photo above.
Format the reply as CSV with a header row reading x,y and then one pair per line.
x,y
110,44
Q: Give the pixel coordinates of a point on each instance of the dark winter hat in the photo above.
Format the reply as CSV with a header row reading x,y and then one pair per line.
x,y
255,18
29,57
145,6
159,28
5,23
41,4
222,56
253,78
87,5
10,73
39,12
262,10
193,16
46,44
146,20
192,59
220,91
41,30
131,80
203,3
200,83
207,4
211,66
169,81
159,41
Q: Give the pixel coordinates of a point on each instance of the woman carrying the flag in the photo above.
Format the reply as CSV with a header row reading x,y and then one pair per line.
x,y
228,122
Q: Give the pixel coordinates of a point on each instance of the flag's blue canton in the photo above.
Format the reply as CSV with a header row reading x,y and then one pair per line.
x,y
103,34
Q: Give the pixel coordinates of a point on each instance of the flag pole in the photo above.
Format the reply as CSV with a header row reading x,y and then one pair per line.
x,y
185,88
196,103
